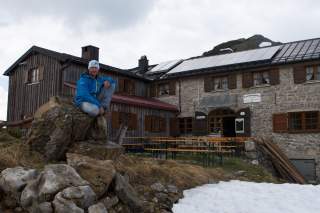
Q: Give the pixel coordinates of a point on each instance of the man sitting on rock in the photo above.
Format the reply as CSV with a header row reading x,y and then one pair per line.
x,y
94,92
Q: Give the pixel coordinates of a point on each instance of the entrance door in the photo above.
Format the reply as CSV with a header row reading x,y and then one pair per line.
x,y
221,122
229,127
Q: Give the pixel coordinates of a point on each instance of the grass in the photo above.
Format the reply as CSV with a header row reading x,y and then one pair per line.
x,y
230,167
14,152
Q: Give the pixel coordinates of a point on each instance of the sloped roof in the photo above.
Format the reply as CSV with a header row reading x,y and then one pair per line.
x,y
66,57
136,100
298,51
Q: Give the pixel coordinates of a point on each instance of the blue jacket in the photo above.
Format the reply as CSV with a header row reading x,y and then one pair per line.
x,y
88,88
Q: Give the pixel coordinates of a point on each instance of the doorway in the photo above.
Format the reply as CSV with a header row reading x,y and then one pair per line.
x,y
221,122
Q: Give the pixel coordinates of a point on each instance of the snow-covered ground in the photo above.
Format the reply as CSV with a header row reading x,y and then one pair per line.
x,y
247,197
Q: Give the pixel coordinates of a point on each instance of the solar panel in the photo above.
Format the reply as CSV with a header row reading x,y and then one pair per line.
x,y
260,54
164,66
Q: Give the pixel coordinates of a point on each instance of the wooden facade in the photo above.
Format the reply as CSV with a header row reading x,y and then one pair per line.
x,y
23,97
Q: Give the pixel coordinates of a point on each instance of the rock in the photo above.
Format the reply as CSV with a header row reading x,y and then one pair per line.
x,y
109,202
45,207
56,125
158,187
249,146
100,150
82,196
127,194
13,181
255,162
53,179
239,173
97,208
99,173
62,205
172,189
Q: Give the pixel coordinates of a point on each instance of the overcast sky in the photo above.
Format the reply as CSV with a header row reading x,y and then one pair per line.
x,y
161,29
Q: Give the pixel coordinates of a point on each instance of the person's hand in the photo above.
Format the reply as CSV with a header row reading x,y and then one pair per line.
x,y
106,84
101,111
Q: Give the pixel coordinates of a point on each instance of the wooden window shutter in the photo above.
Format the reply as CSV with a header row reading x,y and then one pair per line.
x,y
208,84
132,87
115,123
147,123
163,126
280,122
299,74
153,90
132,124
247,80
232,81
274,76
121,85
172,88
26,76
41,71
174,128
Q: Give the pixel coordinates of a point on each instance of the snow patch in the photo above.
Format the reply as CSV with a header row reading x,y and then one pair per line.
x,y
247,197
265,44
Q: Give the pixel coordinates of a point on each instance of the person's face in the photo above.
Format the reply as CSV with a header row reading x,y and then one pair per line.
x,y
93,71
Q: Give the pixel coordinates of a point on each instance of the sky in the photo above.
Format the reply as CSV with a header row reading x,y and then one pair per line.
x,y
124,30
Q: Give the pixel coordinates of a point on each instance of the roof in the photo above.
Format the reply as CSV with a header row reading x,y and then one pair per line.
x,y
291,52
143,102
255,55
298,51
137,101
66,57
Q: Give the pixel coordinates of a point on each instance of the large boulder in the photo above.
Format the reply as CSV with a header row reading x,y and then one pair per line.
x,y
13,181
58,123
52,180
99,173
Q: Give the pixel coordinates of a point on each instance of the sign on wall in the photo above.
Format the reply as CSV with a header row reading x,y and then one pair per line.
x,y
239,125
252,98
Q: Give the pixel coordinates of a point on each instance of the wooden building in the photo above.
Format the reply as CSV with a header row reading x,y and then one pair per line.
x,y
40,74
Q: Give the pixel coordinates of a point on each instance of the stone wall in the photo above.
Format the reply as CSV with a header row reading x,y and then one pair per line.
x,y
284,97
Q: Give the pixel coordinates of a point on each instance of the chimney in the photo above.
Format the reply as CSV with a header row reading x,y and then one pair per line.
x,y
90,52
143,64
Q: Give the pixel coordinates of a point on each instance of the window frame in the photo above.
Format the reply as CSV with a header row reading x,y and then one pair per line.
x,y
315,72
221,80
303,122
161,89
260,75
33,75
185,125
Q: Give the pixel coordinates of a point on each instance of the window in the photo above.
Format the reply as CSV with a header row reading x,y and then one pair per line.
x,y
164,89
126,86
155,123
124,118
304,121
220,83
185,125
33,75
313,73
261,78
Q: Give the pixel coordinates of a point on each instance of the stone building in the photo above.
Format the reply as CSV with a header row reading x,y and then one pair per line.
x,y
276,95
269,92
